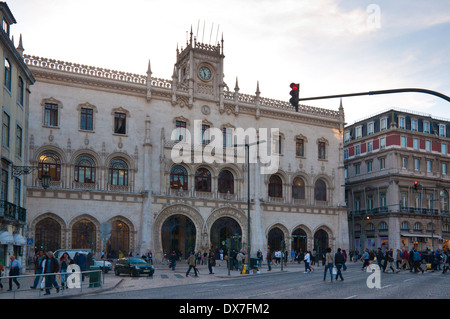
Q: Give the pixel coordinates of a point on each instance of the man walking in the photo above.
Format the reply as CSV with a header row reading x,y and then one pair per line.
x,y
339,261
417,260
14,270
269,260
51,267
329,262
191,263
366,258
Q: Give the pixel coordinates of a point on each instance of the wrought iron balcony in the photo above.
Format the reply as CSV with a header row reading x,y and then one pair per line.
x,y
12,212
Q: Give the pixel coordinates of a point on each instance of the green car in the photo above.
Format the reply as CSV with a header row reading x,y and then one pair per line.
x,y
133,266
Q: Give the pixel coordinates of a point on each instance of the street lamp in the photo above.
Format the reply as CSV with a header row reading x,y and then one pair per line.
x,y
247,146
45,180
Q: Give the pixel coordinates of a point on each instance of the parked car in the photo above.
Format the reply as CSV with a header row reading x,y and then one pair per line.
x,y
100,263
134,266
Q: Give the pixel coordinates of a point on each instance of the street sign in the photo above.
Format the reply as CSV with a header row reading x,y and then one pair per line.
x,y
30,241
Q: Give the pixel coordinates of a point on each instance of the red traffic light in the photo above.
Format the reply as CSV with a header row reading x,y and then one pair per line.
x,y
294,86
416,183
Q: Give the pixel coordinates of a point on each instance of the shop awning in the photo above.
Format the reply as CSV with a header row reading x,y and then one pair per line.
x,y
6,238
19,240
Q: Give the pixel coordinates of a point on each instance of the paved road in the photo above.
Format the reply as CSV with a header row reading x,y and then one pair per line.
x,y
292,284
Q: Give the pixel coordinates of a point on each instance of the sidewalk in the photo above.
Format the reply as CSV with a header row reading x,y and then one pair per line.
x,y
163,277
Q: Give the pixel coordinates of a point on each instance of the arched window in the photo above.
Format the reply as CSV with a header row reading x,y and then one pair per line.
x,y
417,227
226,182
118,172
298,188
178,177
383,227
51,164
85,170
275,186
320,190
202,180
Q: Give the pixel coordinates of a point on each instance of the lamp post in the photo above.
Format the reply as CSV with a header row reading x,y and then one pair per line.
x,y
247,147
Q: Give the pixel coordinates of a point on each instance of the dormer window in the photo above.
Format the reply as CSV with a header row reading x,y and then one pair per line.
x,y
5,26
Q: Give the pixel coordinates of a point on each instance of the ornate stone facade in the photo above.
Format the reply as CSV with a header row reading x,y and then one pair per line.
x,y
103,118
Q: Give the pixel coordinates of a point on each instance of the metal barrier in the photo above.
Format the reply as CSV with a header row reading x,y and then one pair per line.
x,y
26,281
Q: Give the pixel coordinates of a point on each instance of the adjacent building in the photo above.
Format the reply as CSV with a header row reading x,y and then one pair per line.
x,y
107,138
397,181
16,80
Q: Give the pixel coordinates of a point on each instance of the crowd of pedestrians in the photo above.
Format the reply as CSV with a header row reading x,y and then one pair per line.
x,y
46,269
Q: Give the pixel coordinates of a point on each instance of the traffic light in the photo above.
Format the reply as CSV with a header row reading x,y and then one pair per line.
x,y
416,184
295,88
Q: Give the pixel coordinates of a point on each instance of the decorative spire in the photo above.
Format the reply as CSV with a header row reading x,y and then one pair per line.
x,y
149,69
257,89
236,87
20,48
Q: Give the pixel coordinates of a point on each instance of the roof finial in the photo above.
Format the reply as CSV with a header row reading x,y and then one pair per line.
x,y
257,89
236,87
20,48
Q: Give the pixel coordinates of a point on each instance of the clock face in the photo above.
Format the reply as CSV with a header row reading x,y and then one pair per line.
x,y
204,73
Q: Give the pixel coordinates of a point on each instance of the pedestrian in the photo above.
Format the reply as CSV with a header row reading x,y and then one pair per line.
x,y
339,261
445,261
344,266
365,257
211,262
380,257
417,260
150,257
398,258
390,260
14,270
38,259
192,263
239,258
51,267
405,260
81,261
173,260
438,258
329,262
269,260
307,260
259,255
1,275
64,262
292,255
411,260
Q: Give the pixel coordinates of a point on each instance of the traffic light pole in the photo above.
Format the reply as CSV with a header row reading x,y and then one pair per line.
x,y
404,90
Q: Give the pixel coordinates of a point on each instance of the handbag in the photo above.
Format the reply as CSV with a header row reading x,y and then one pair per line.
x,y
334,271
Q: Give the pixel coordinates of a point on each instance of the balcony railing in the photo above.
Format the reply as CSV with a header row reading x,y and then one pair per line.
x,y
12,211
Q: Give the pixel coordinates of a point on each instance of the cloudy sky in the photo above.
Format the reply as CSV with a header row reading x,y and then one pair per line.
x,y
328,46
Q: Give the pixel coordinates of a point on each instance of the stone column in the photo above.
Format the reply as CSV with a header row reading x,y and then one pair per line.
x,y
146,214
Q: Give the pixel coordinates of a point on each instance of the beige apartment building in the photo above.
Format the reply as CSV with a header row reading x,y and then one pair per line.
x,y
397,181
16,80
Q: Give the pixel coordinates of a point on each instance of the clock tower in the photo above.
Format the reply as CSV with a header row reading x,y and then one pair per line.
x,y
199,71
